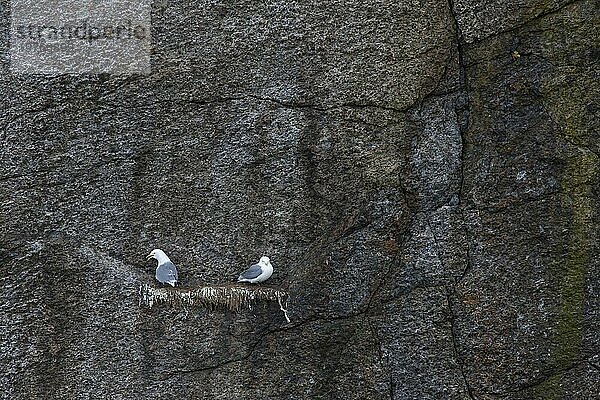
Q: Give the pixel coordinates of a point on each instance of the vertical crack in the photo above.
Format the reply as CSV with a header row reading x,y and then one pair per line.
x,y
453,334
459,44
468,263
462,120
381,357
462,109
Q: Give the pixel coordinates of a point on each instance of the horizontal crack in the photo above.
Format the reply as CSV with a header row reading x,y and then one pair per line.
x,y
541,381
77,172
520,201
224,363
525,23
278,102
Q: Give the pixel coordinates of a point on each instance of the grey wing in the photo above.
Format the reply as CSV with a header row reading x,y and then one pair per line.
x,y
166,272
252,272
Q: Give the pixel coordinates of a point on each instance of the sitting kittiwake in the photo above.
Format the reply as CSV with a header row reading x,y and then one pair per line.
x,y
258,272
166,271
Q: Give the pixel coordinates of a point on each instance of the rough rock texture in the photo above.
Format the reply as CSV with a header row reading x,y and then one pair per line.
x,y
423,175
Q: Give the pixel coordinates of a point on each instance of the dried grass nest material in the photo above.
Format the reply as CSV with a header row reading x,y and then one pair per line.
x,y
232,296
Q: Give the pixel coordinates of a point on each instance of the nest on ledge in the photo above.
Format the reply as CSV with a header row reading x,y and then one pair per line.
x,y
234,297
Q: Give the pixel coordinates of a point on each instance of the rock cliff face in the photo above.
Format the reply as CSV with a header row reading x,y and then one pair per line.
x,y
423,174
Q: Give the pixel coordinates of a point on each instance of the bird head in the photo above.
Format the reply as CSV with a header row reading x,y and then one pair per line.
x,y
157,254
264,260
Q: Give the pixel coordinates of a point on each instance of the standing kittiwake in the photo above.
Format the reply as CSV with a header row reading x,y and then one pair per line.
x,y
166,271
258,272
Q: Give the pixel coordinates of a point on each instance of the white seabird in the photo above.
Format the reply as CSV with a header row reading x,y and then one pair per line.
x,y
166,271
258,272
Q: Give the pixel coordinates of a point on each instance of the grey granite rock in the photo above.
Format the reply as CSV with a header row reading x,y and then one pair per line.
x,y
423,176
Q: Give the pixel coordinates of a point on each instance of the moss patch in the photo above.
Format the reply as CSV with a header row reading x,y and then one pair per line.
x,y
567,92
578,204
